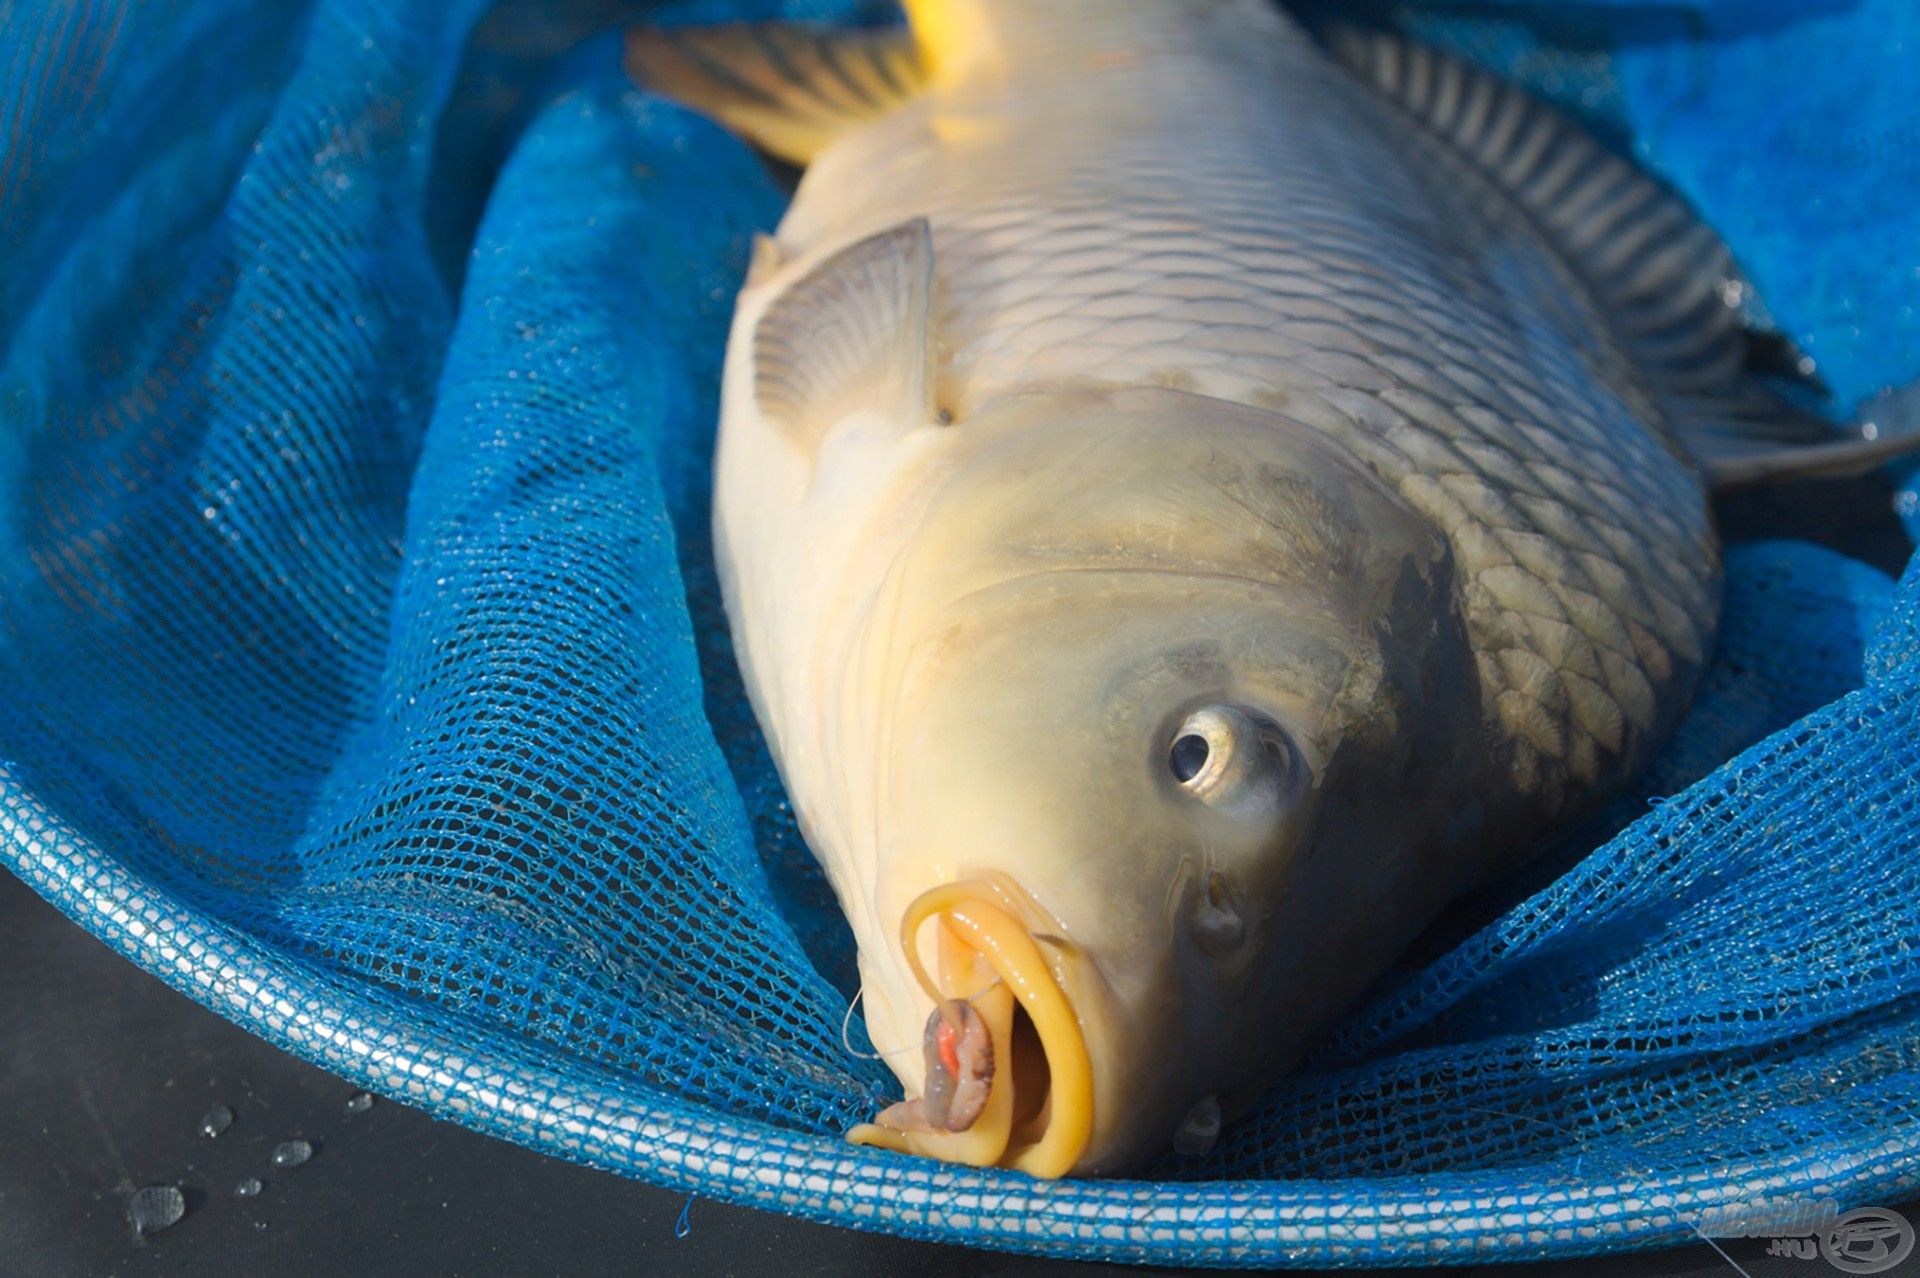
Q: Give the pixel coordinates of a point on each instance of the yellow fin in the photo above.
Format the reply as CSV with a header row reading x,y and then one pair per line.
x,y
787,88
853,333
950,34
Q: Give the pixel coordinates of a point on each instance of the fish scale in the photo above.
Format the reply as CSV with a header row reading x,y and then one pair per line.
x,y
1304,252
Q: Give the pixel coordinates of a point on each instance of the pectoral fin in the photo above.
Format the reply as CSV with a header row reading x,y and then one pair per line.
x,y
852,334
787,88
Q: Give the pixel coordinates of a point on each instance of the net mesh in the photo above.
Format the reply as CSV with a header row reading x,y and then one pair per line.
x,y
367,679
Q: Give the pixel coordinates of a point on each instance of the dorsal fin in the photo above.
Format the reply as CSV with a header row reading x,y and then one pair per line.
x,y
789,89
951,35
853,333
1668,284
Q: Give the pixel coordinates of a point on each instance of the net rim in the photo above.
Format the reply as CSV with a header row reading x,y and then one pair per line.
x,y
633,1128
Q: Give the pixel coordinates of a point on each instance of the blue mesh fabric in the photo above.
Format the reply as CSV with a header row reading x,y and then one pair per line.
x,y
366,679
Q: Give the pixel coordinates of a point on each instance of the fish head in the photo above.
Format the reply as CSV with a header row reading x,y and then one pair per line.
x,y
1178,697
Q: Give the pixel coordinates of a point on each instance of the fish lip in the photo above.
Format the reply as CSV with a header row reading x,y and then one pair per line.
x,y
1019,902
992,918
1053,938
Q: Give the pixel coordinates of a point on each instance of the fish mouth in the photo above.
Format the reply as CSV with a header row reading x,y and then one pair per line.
x,y
1009,1078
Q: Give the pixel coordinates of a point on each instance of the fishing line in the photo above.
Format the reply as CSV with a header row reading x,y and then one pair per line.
x,y
985,990
846,1022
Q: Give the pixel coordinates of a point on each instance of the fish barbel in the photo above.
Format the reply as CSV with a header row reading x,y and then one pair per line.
x,y
1189,506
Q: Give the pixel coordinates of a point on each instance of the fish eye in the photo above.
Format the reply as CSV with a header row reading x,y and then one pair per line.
x,y
1188,756
1228,755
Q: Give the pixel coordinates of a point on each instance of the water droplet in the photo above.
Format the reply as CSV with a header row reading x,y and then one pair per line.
x,y
155,1208
248,1188
1199,1130
291,1153
259,1224
215,1121
359,1102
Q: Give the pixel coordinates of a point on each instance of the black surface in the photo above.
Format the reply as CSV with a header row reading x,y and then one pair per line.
x,y
106,1074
